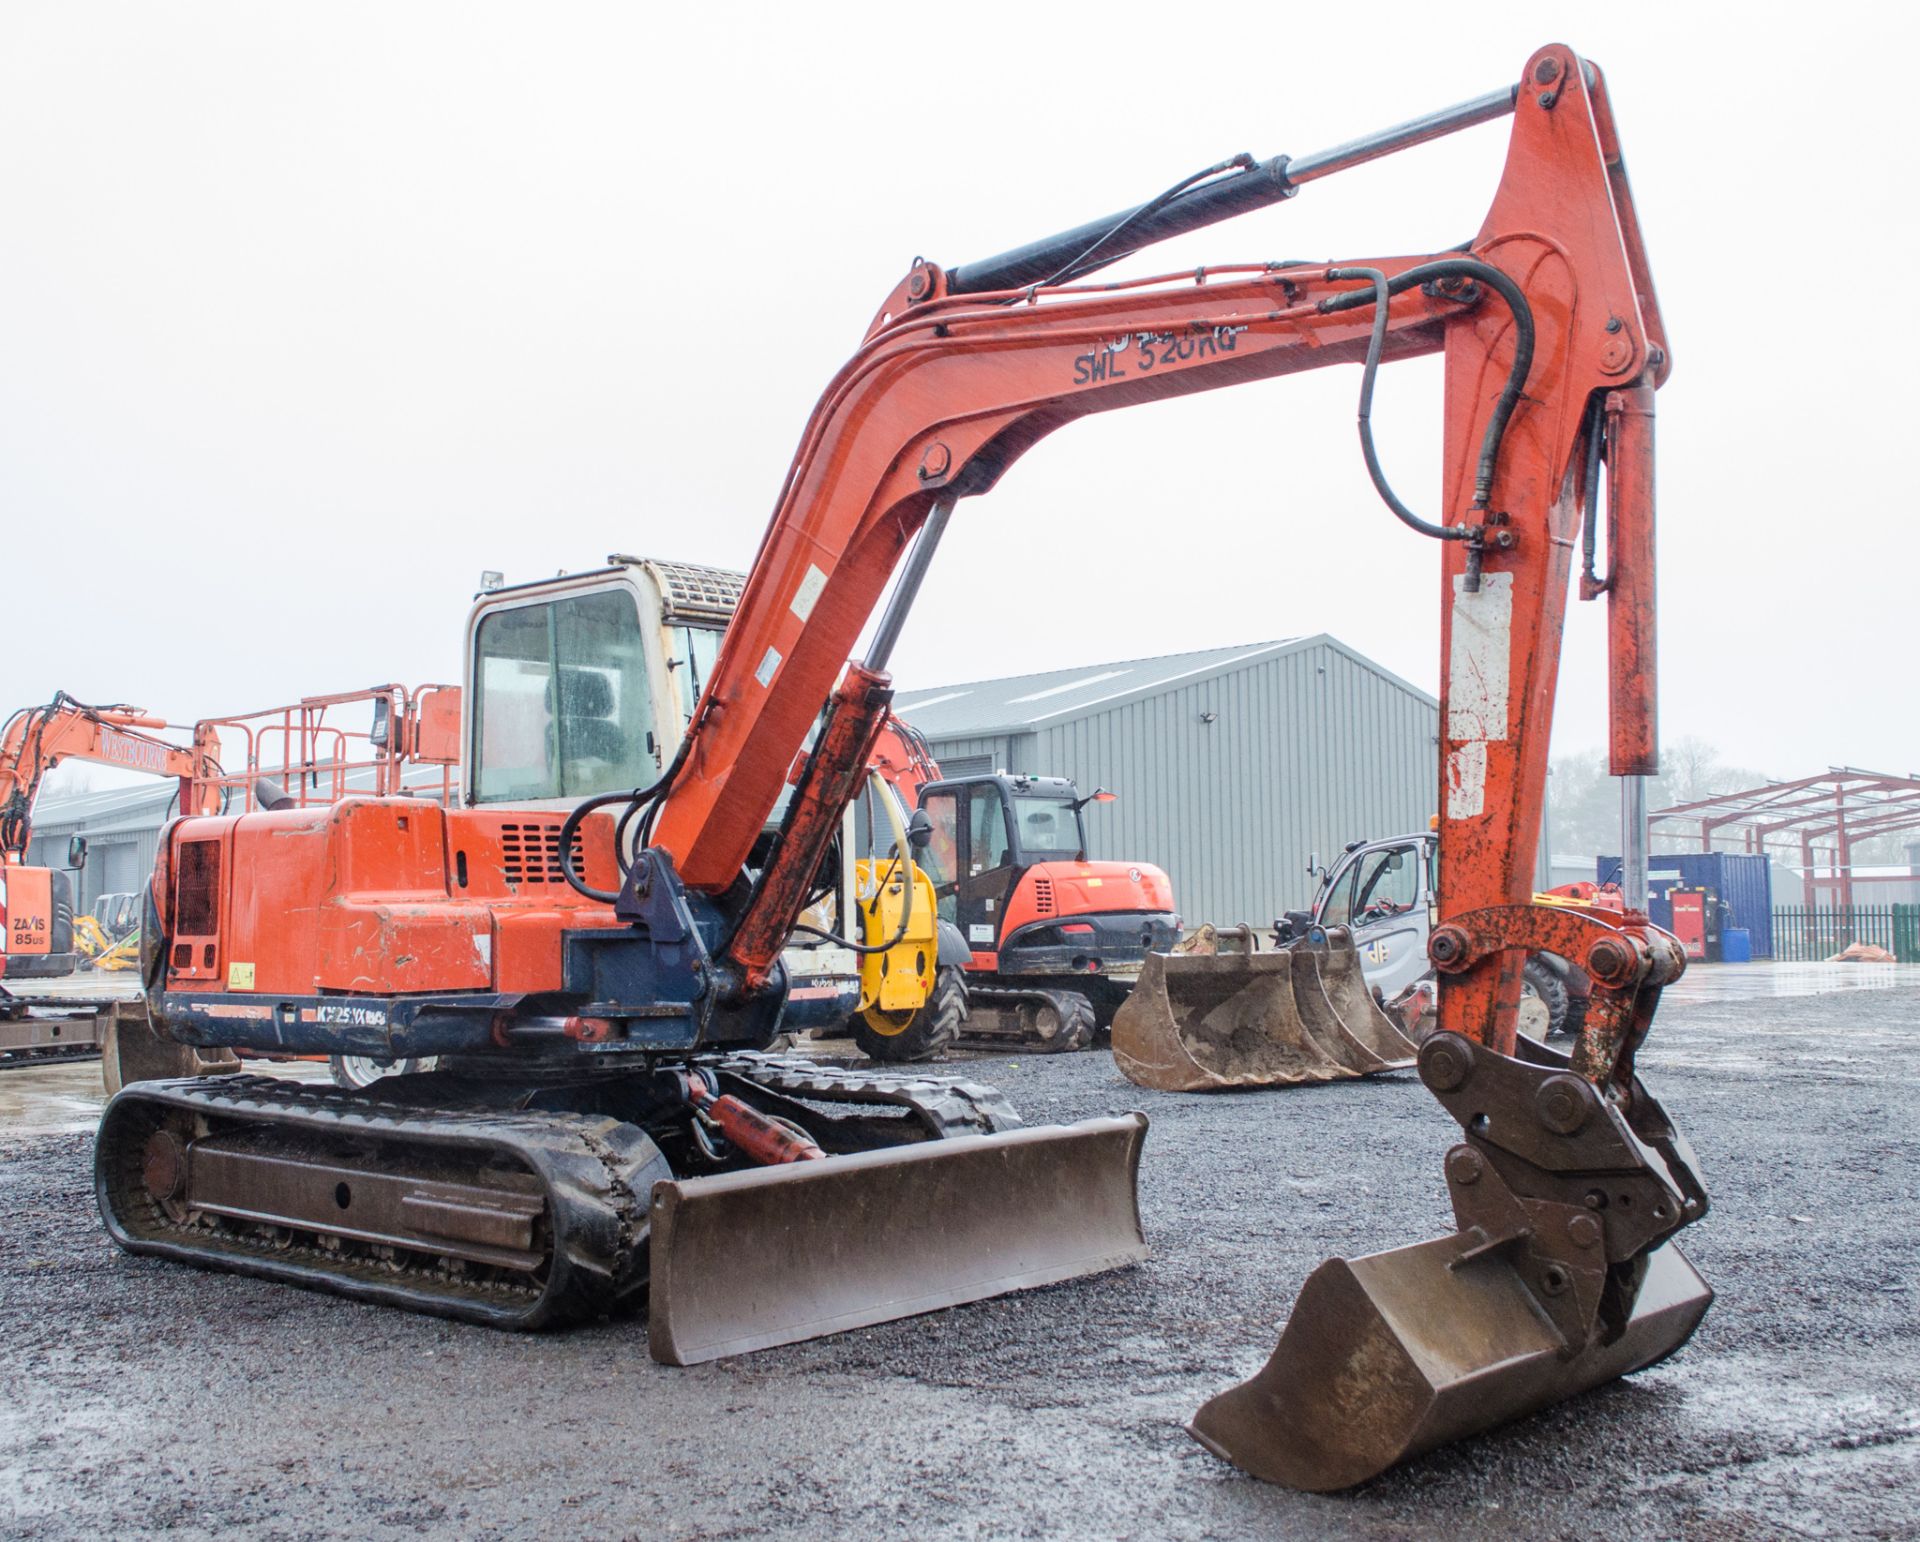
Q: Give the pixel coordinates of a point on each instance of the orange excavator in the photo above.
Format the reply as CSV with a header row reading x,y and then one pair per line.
x,y
36,907
608,1127
1046,945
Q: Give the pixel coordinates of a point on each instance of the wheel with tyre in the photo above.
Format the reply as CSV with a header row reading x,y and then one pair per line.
x,y
1058,1022
354,1072
1542,983
922,1034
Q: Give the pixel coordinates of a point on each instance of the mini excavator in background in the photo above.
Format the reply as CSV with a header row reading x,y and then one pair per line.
x,y
607,1116
1050,942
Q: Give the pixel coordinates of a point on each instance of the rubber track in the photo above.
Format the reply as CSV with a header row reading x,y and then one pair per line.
x,y
993,996
19,1059
589,1166
595,1170
945,1108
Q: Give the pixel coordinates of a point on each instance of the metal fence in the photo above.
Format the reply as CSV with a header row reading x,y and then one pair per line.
x,y
1806,933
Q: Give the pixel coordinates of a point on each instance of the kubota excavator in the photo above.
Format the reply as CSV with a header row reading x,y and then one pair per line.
x,y
1051,942
608,1116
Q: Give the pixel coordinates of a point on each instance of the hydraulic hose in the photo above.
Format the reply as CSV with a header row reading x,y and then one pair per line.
x,y
867,950
1382,291
641,798
1085,262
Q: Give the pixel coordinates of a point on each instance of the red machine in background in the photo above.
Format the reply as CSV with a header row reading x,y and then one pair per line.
x,y
1053,942
573,1157
36,903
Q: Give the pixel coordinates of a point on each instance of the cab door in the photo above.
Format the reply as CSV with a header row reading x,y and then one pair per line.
x,y
988,877
1383,897
970,858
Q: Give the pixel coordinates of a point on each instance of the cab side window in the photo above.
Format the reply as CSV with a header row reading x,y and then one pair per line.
x,y
1338,910
989,846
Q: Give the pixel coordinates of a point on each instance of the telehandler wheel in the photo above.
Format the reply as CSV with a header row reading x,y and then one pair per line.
x,y
1550,990
922,1034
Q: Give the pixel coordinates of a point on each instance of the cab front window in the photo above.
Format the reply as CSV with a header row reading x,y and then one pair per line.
x,y
1048,828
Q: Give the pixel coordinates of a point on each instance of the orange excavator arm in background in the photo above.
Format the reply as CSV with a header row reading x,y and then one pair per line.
x,y
1547,321
36,739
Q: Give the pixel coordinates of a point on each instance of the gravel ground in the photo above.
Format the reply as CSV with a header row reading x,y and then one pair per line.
x,y
139,1398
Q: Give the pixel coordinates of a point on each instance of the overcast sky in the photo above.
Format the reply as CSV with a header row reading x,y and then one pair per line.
x,y
310,313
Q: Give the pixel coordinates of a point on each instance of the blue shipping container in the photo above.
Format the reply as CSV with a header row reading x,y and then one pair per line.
x,y
1744,884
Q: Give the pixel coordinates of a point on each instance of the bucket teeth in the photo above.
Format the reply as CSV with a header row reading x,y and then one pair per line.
x,y
1208,1022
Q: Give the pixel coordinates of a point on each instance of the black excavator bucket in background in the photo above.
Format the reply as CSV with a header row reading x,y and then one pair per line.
x,y
1210,1022
1560,1277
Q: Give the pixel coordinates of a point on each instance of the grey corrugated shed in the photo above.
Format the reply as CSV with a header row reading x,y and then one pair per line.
x,y
1233,765
1022,702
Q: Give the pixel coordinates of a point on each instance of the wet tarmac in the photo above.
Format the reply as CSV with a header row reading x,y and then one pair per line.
x,y
138,1398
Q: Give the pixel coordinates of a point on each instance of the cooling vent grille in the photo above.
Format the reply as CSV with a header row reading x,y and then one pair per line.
x,y
531,853
1043,896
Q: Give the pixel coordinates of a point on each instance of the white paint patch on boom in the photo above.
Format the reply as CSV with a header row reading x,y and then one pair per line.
x,y
1479,676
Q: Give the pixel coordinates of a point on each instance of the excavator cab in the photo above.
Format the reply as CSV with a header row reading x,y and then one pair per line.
x,y
585,684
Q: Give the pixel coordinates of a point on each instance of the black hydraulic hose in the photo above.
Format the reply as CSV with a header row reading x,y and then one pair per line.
x,y
647,798
1083,263
1383,290
571,827
867,950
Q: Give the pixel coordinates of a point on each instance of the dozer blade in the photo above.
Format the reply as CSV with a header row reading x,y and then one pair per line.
x,y
1394,1354
1202,1023
776,1255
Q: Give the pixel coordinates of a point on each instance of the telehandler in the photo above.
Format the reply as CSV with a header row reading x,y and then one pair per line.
x,y
609,1127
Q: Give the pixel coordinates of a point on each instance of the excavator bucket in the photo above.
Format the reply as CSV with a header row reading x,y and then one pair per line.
x,y
1560,1276
1396,1353
774,1255
1208,1022
1341,981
